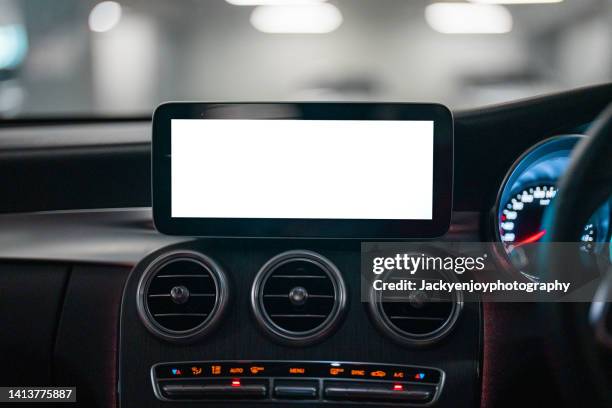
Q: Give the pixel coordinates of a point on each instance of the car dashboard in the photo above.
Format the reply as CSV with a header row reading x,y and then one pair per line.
x,y
133,317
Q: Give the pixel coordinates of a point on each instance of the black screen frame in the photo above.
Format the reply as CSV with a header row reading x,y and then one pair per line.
x,y
303,228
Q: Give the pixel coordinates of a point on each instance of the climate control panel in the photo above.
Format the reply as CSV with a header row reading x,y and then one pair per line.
x,y
271,381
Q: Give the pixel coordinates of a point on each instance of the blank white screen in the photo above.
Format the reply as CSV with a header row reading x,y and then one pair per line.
x,y
302,169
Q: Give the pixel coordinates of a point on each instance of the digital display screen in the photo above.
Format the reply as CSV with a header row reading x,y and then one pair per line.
x,y
340,170
302,169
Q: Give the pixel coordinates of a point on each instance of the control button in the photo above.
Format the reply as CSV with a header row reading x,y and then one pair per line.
x,y
336,371
362,391
298,369
424,375
287,389
219,389
256,369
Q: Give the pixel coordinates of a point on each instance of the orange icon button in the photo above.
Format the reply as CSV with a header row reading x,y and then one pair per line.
x,y
215,370
297,370
358,373
398,374
336,371
196,370
236,370
378,374
256,370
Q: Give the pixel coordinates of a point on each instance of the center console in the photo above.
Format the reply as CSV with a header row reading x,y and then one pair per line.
x,y
215,349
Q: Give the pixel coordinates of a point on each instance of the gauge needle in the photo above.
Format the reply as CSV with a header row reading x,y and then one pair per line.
x,y
534,238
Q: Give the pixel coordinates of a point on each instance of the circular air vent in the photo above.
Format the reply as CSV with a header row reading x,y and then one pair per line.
x,y
416,318
299,297
181,296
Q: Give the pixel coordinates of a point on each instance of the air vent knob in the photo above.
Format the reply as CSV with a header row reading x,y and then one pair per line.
x,y
298,295
417,299
179,294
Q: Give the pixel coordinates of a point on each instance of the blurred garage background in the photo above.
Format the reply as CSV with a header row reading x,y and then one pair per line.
x,y
75,58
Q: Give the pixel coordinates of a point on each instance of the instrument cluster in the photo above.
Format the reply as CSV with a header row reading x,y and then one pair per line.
x,y
527,193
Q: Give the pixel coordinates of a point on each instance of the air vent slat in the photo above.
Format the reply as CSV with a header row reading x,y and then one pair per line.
x,y
183,276
180,314
182,294
298,296
153,295
416,318
286,296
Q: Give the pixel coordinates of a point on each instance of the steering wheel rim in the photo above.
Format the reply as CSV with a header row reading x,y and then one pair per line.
x,y
583,371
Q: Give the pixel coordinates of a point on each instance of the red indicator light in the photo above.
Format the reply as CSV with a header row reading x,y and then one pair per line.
x,y
398,387
235,383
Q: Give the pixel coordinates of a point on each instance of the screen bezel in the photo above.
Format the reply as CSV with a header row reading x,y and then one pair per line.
x,y
303,228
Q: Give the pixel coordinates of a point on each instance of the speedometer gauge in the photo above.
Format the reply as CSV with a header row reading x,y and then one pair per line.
x,y
521,219
527,191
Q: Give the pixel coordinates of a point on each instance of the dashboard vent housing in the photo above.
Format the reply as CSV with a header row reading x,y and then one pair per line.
x,y
299,297
416,319
182,296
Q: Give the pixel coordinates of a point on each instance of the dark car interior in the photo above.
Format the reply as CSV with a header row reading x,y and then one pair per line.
x,y
94,296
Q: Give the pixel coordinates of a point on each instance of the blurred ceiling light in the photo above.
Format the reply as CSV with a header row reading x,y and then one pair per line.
x,y
13,45
467,18
12,96
515,1
317,18
104,16
271,2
